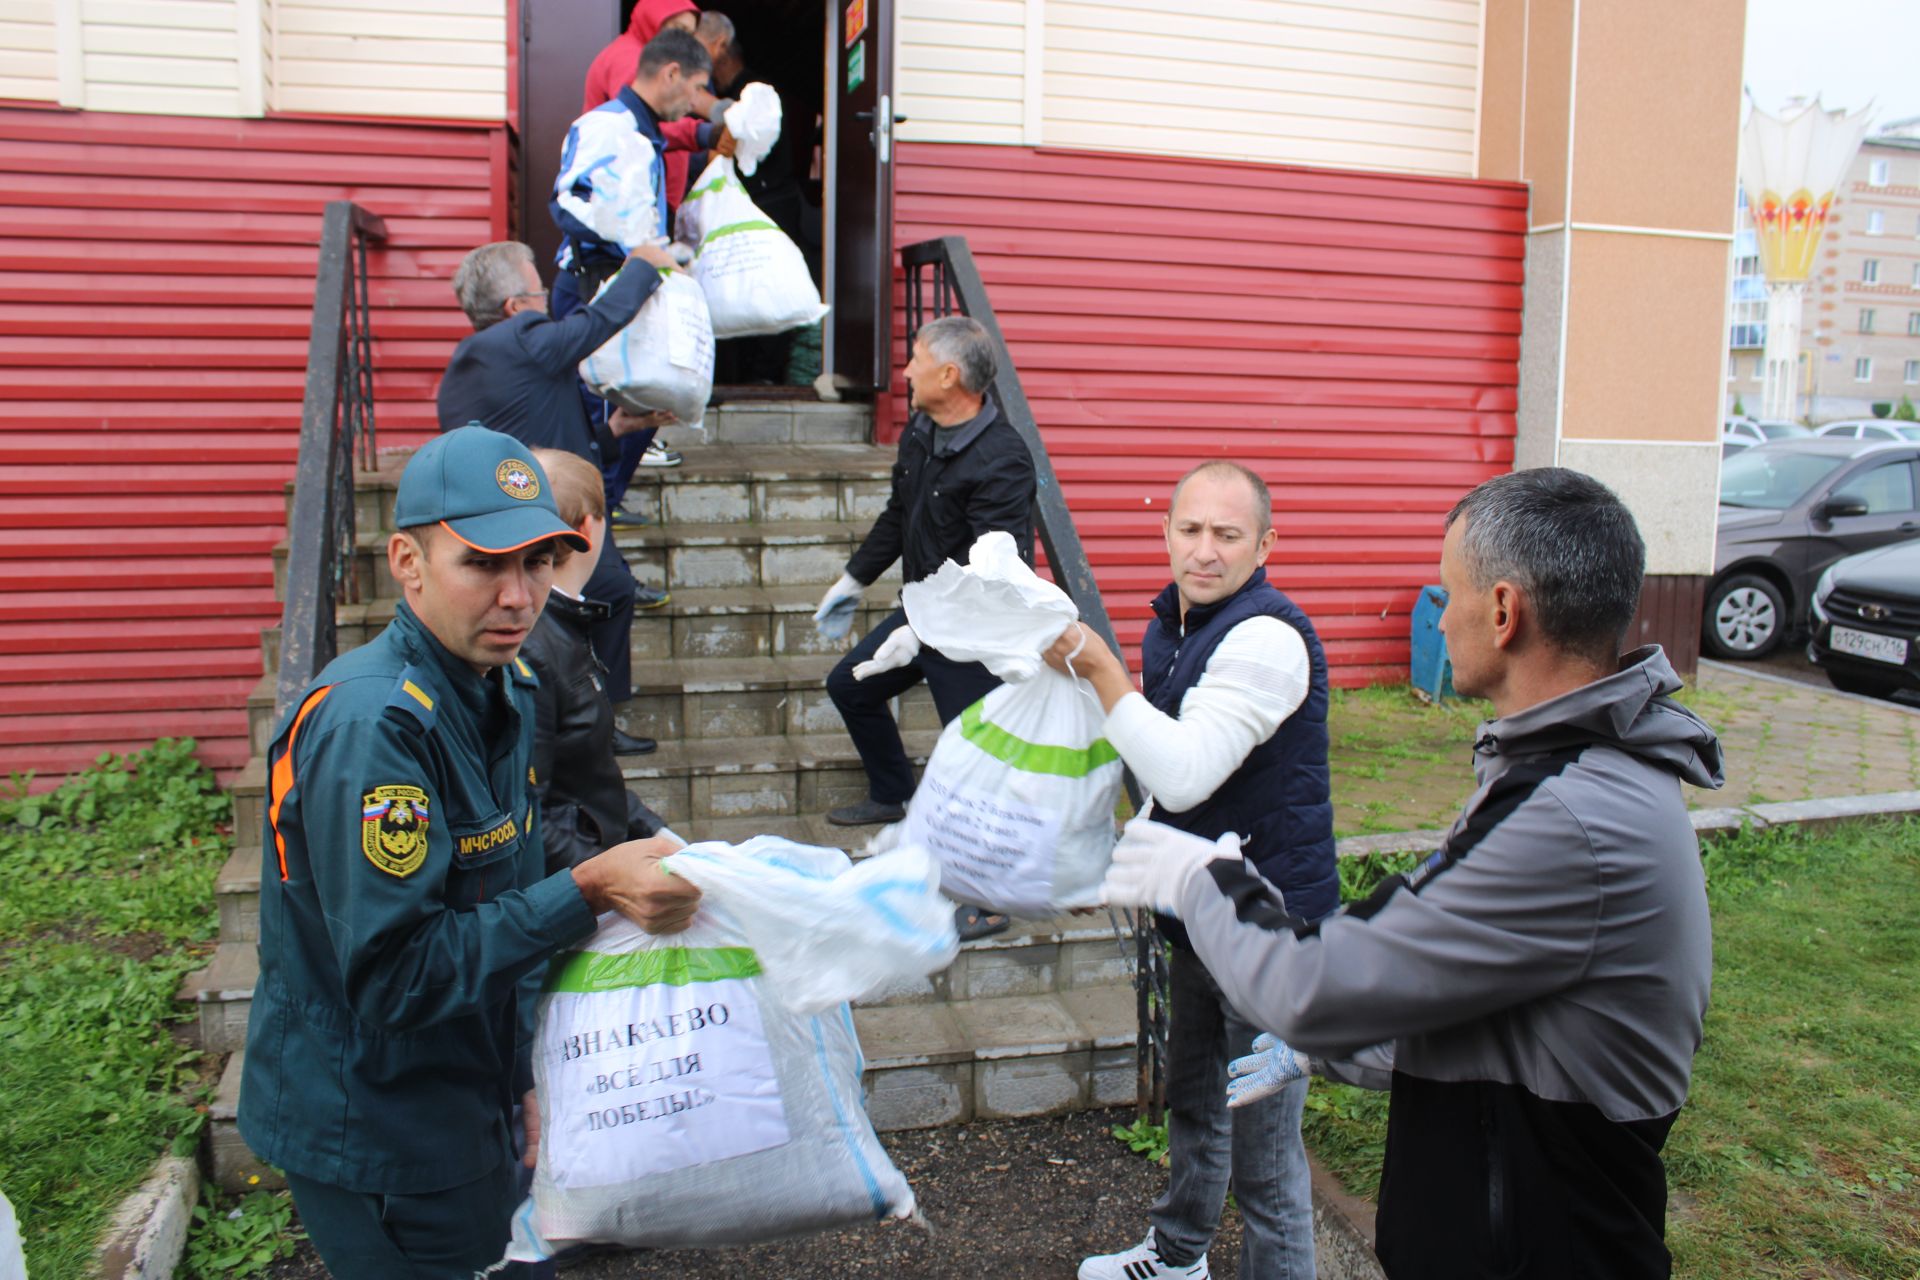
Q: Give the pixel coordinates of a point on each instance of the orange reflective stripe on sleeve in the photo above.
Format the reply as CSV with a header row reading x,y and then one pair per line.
x,y
282,780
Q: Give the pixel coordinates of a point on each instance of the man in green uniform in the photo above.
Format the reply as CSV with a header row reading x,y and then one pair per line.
x,y
405,910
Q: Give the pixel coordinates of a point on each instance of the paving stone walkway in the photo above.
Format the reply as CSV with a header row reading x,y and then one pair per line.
x,y
1400,765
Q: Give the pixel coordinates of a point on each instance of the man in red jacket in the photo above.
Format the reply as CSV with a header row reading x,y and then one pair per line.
x,y
613,68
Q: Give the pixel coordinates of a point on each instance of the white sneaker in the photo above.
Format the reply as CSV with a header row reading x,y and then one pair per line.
x,y
1142,1262
658,455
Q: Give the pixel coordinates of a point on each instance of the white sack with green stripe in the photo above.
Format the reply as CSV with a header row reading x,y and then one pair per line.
x,y
703,1088
663,359
1017,800
756,279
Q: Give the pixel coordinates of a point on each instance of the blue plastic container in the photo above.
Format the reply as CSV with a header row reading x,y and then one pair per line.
x,y
1432,671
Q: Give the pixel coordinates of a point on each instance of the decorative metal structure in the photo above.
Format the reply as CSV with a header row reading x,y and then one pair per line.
x,y
1791,166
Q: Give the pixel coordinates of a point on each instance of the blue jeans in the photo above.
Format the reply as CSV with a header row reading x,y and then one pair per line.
x,y
1257,1146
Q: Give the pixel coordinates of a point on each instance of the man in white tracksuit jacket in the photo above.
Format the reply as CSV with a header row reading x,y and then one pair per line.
x,y
1536,988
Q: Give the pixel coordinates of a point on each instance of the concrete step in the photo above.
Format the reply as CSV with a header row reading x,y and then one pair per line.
x,y
783,553
927,1065
249,792
785,775
235,1168
222,994
236,889
1064,957
710,622
769,483
705,664
747,622
804,479
938,1064
777,422
704,698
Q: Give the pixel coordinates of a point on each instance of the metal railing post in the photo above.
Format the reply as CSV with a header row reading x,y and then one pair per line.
x,y
956,286
336,426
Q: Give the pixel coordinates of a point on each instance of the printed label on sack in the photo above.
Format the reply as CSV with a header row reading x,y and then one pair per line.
x,y
986,842
646,1080
690,339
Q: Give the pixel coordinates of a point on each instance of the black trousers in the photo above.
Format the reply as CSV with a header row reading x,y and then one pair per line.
x,y
863,705
612,584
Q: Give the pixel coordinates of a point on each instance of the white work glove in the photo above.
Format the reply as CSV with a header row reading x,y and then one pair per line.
x,y
835,614
897,650
1272,1066
1153,862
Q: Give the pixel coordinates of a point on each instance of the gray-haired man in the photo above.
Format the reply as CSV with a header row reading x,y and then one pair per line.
x,y
1539,983
515,373
963,471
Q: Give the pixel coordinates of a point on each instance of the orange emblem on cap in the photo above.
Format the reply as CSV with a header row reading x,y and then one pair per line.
x,y
517,480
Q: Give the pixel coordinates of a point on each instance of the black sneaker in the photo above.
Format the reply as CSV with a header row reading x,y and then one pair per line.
x,y
867,813
625,519
650,597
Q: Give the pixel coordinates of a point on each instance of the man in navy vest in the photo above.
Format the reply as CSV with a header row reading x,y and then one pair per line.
x,y
1231,736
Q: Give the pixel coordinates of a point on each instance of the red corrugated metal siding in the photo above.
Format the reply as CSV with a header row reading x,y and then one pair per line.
x,y
156,287
1353,337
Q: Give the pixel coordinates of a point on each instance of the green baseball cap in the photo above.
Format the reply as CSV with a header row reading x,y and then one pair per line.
x,y
486,490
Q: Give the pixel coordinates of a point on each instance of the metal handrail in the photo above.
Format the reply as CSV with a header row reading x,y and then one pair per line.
x,y
941,279
336,428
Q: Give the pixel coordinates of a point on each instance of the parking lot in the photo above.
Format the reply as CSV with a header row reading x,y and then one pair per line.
x,y
1789,662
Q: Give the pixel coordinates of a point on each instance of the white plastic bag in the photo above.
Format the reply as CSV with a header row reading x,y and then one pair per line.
x,y
703,1088
13,1262
1017,800
663,359
754,122
756,279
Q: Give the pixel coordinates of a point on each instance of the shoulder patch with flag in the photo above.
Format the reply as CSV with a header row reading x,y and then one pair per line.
x,y
393,828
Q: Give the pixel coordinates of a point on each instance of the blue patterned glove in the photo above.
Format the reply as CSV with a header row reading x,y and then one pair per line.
x,y
837,607
1272,1066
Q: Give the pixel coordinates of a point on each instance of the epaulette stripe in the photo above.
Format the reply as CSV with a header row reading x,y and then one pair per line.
x,y
419,695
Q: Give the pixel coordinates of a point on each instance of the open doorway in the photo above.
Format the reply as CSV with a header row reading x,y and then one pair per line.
x,y
828,184
778,42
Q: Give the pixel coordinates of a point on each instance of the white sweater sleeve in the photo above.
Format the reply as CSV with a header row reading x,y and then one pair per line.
x,y
1256,677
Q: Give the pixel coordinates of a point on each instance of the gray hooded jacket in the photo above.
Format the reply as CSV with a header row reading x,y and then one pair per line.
x,y
1543,978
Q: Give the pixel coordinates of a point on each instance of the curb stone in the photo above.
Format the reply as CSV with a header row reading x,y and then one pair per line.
x,y
149,1230
1342,1230
1769,677
1805,813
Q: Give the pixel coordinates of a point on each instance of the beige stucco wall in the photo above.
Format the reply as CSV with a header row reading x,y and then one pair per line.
x,y
1628,131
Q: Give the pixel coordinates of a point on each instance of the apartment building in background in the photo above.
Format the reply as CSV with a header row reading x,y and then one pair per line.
x,y
1861,338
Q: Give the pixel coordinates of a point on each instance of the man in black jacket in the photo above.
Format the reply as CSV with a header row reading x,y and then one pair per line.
x,y
516,373
962,471
585,806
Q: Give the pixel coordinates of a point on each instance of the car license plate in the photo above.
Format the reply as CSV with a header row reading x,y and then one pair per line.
x,y
1864,644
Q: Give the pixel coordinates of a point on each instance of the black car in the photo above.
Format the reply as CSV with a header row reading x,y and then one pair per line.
x,y
1866,621
1789,509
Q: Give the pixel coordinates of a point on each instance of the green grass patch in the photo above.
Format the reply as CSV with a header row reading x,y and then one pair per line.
x,y
1798,1152
109,882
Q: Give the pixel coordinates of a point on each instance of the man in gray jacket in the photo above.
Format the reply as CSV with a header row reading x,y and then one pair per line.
x,y
1536,987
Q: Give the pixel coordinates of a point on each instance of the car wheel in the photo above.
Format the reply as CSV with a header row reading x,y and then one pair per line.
x,y
1746,617
1867,686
